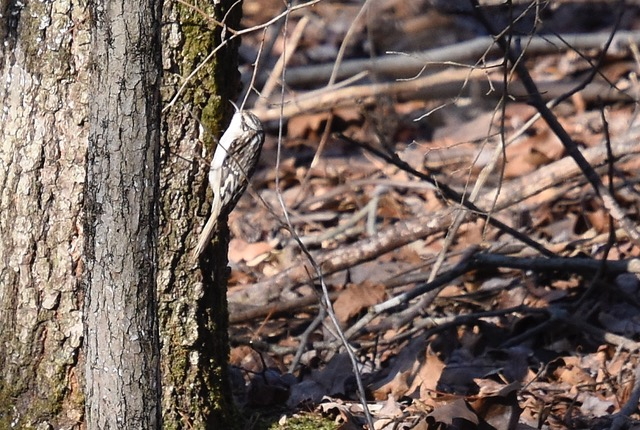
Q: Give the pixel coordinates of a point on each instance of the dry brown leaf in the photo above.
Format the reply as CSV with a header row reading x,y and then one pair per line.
x,y
428,375
357,297
501,409
555,217
573,373
240,250
452,412
249,359
403,370
595,405
390,409
306,126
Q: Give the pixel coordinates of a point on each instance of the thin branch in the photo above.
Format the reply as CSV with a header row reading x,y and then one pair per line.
x,y
318,272
402,65
452,195
570,145
224,42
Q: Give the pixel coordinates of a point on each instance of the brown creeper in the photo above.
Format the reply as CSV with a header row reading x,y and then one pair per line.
x,y
234,161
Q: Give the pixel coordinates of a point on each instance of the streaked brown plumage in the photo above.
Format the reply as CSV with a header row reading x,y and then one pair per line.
x,y
233,164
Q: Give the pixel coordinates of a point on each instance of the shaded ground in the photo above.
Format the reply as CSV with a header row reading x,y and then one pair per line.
x,y
490,327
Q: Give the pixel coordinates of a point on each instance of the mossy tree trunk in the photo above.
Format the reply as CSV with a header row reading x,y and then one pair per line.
x,y
192,298
79,84
45,67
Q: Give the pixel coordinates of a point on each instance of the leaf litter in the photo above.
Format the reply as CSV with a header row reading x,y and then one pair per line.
x,y
502,345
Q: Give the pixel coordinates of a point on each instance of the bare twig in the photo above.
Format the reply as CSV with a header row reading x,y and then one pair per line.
x,y
236,34
282,62
475,260
451,83
559,264
402,65
570,145
453,196
405,232
631,406
304,337
318,272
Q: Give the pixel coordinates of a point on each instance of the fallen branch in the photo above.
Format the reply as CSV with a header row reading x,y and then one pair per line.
x,y
405,232
570,145
405,66
451,83
479,260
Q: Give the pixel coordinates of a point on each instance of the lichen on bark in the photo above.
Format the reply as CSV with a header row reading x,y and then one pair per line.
x,y
193,301
44,71
201,36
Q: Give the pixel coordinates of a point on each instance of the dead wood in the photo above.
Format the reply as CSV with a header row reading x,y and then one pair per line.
x,y
407,66
538,102
404,232
447,84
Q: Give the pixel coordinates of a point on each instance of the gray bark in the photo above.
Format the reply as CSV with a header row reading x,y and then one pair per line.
x,y
67,100
44,81
192,300
121,334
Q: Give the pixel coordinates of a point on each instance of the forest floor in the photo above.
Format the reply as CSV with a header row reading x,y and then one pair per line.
x,y
482,277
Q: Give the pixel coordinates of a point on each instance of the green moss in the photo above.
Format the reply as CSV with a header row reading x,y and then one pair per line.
x,y
211,116
179,361
77,400
39,28
6,408
268,419
200,39
44,402
306,422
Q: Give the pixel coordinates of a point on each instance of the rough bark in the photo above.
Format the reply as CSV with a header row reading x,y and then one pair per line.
x,y
44,64
122,351
47,85
192,299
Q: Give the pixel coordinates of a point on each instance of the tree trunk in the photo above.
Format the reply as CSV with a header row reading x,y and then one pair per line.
x,y
121,335
85,234
192,300
44,101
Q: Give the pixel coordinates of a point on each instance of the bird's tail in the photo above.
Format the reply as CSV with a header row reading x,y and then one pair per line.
x,y
205,236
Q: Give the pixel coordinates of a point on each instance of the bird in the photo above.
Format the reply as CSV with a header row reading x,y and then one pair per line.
x,y
233,164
